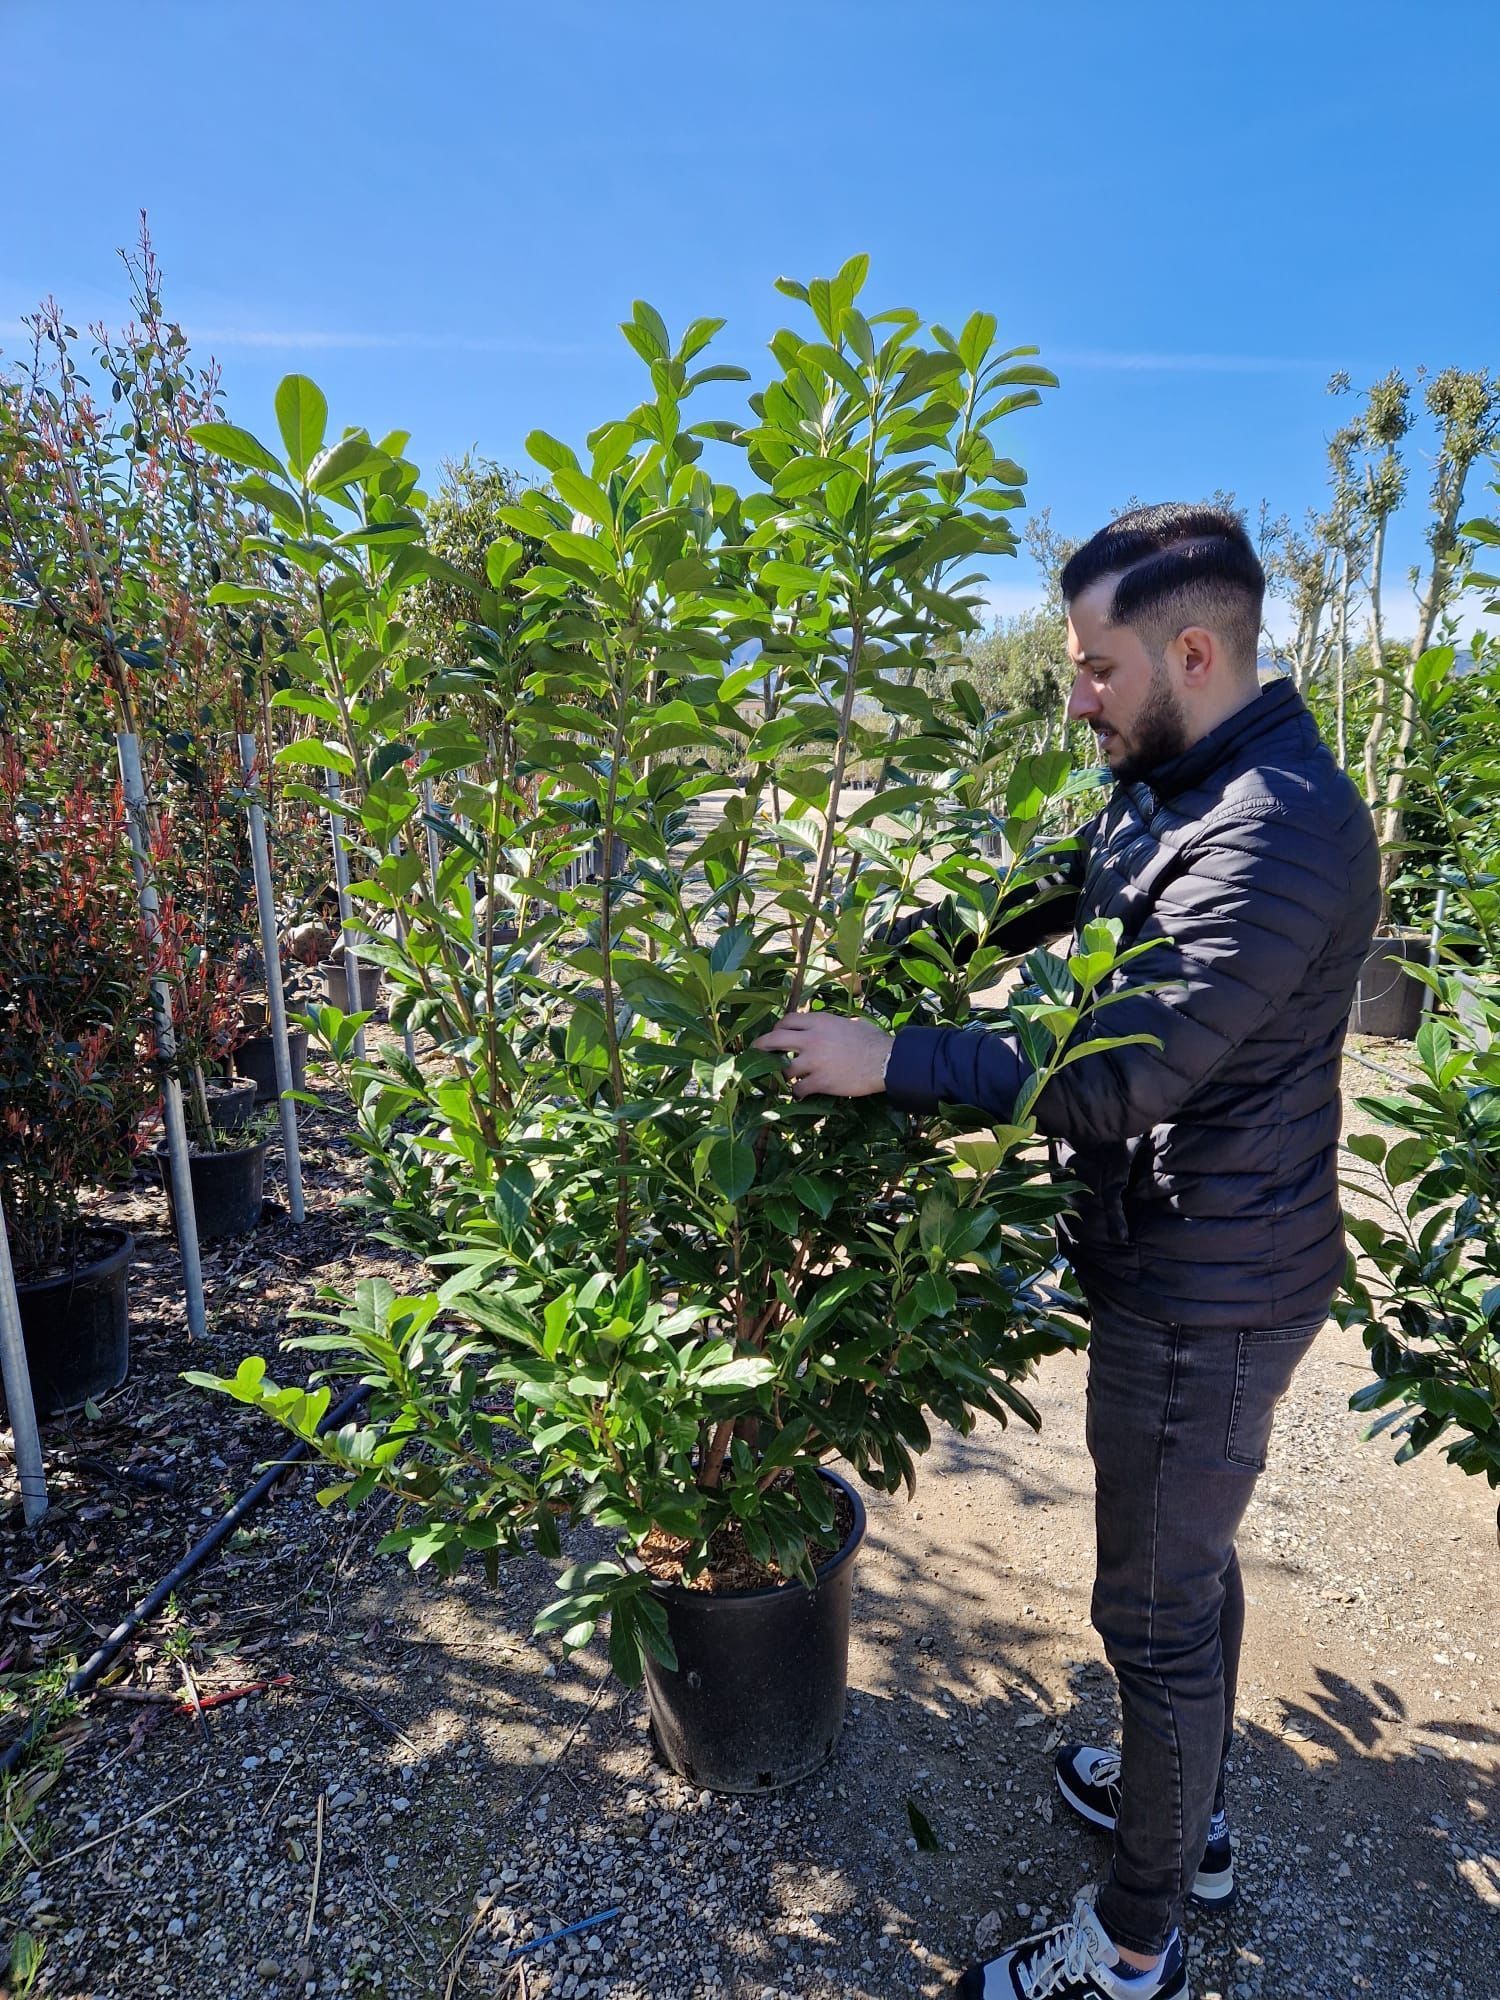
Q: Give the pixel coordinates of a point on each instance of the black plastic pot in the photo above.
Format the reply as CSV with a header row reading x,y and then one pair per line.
x,y
228,1189
1387,1001
756,1700
336,977
257,1059
77,1328
231,1102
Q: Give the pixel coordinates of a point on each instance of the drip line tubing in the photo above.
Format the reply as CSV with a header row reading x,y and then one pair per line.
x,y
85,1676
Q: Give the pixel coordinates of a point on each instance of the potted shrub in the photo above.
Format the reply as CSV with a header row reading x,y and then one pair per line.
x,y
74,1082
666,1296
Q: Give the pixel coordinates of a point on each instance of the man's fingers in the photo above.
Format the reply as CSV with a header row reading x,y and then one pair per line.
x,y
793,1025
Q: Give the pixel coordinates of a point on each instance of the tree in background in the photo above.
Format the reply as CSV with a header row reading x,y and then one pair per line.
x,y
1020,665
1315,571
1386,421
463,524
1465,405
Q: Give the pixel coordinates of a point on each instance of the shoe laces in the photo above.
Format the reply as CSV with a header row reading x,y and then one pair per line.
x,y
1106,1769
1068,1954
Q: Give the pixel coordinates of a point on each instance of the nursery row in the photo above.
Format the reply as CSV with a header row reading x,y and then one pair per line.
x,y
661,1294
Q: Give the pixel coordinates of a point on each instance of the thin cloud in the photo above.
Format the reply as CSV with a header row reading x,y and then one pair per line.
x,y
311,340
1187,364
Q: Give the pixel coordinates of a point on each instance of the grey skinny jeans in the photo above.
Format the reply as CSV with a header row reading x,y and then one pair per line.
x,y
1178,1422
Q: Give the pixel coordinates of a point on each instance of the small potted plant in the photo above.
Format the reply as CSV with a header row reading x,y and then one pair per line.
x,y
668,1302
74,1078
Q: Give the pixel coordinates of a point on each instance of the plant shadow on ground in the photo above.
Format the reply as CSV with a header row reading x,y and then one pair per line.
x,y
457,1757
450,1749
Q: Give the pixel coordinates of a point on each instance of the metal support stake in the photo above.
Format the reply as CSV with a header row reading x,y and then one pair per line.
x,y
1434,945
270,945
129,752
429,814
18,1399
341,880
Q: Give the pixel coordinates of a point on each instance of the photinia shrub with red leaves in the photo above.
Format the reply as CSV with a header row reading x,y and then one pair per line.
x,y
75,1075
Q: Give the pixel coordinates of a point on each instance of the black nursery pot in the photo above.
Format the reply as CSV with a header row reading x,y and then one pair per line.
x,y
228,1189
1388,1001
341,995
756,1700
231,1102
77,1328
256,1059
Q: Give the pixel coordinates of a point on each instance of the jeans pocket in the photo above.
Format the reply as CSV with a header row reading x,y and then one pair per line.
x,y
1266,1362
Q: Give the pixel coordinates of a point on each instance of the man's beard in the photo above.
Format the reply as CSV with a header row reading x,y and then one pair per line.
x,y
1159,734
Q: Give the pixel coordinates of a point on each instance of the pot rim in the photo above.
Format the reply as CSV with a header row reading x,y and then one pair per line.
x,y
727,1599
160,1150
265,1035
101,1267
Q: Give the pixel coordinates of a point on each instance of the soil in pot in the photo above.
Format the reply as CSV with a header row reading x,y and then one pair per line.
x,y
228,1188
336,977
756,1700
256,1059
231,1102
1387,1001
76,1323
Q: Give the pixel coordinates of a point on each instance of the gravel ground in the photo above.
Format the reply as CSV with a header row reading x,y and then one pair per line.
x,y
431,1787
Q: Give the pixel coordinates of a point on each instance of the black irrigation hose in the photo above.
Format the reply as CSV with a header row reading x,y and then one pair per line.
x,y
85,1676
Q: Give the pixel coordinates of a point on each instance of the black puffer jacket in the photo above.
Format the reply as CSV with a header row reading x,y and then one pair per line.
x,y
1210,1161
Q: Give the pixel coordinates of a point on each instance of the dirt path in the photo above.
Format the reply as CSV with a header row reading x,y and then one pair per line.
x,y
333,1836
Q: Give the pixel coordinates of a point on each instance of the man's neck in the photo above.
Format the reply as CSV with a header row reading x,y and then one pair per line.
x,y
1236,696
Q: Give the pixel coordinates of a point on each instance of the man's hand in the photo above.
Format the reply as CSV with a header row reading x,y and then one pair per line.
x,y
831,1055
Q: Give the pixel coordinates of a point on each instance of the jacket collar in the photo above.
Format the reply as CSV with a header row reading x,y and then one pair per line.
x,y
1277,703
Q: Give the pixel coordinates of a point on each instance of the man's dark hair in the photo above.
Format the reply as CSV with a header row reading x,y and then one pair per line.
x,y
1177,566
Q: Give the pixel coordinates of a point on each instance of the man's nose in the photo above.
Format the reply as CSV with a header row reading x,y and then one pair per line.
x,y
1083,702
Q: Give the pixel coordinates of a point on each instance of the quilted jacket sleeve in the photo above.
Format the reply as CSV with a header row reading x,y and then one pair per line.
x,y
1257,898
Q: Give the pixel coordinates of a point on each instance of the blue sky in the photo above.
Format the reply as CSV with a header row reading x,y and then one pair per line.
x,y
441,212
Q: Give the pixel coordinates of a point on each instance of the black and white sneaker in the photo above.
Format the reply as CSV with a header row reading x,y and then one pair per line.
x,y
1090,1782
1075,1961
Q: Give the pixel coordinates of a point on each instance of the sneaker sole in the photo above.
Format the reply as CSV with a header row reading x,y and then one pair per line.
x,y
1209,1892
1216,1891
1081,1806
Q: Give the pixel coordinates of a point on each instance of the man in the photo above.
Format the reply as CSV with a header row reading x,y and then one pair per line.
x,y
1208,1242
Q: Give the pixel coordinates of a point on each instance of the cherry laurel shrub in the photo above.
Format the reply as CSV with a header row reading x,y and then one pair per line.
x,y
662,1291
1427,1297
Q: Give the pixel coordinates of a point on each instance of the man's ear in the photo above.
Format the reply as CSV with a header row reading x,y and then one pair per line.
x,y
1195,652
